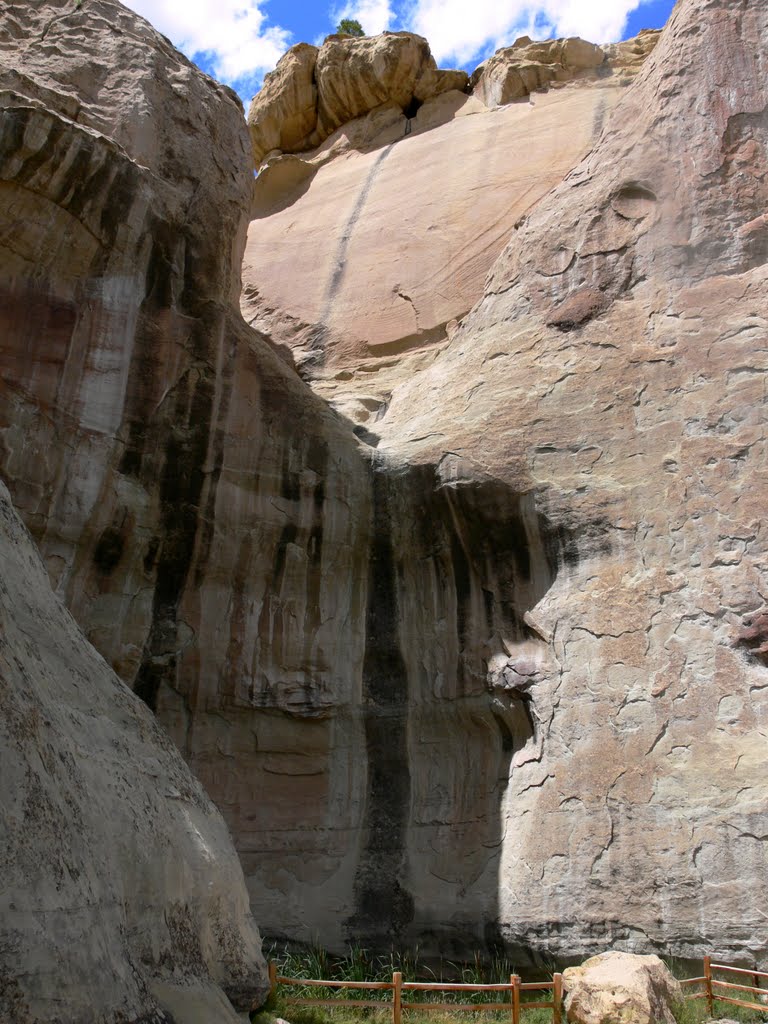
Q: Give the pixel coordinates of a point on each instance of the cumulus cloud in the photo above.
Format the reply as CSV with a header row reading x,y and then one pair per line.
x,y
374,15
231,34
459,32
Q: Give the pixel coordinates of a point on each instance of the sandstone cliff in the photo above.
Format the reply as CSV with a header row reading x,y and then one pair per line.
x,y
570,490
364,252
497,675
122,896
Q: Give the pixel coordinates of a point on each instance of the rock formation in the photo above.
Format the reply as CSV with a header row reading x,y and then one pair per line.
x,y
314,90
621,987
596,426
494,673
434,196
122,895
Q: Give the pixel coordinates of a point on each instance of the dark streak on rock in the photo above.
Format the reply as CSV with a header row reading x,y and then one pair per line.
x,y
384,907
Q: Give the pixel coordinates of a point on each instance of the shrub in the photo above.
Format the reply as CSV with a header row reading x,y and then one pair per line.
x,y
350,27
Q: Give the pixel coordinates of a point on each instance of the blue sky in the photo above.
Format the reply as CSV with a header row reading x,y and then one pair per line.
x,y
238,41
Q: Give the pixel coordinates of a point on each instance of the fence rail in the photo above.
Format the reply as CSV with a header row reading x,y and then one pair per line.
x,y
515,987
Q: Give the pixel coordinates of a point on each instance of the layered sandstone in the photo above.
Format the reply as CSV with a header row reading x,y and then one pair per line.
x,y
314,90
371,286
614,371
596,427
498,675
122,895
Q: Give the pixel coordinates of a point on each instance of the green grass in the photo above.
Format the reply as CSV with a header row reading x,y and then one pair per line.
x,y
360,965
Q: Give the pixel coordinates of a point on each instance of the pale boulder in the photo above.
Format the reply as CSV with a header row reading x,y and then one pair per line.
x,y
356,75
284,113
621,988
313,92
516,71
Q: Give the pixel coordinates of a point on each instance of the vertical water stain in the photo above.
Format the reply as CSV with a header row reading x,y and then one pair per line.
x,y
384,908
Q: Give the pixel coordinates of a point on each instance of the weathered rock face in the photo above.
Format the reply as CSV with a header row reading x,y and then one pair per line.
x,y
363,254
499,679
610,383
122,896
314,91
195,504
617,362
621,987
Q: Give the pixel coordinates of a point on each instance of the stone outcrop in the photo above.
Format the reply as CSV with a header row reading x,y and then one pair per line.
x,y
621,987
194,503
516,71
122,895
434,197
615,368
284,113
608,387
314,91
493,675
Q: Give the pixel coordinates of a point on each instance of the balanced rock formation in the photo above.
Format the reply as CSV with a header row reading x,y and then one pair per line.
x,y
313,91
623,987
122,895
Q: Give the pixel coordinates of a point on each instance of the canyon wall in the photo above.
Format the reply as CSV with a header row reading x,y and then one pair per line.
x,y
122,896
491,672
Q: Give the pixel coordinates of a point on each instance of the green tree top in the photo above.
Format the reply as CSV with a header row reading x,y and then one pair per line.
x,y
350,27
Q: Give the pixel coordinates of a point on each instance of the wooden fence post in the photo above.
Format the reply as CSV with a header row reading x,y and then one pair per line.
x,y
557,997
397,997
515,982
708,984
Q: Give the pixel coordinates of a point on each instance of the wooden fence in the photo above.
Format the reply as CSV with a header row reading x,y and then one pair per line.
x,y
712,990
397,987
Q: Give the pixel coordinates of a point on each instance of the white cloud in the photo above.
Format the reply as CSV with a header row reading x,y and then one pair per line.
x,y
231,33
374,15
459,32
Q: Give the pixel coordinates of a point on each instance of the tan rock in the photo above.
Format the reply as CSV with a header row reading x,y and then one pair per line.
x,y
629,56
122,892
376,271
516,71
313,92
623,987
283,114
488,677
633,419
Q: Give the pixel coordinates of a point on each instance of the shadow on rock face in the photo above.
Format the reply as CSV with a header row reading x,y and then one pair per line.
x,y
456,563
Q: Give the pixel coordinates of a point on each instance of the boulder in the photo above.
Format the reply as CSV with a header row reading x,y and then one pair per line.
x,y
313,92
283,115
122,895
621,988
525,67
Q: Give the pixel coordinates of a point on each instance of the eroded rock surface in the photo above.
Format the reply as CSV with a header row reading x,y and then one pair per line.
x,y
619,356
621,987
313,91
492,681
122,893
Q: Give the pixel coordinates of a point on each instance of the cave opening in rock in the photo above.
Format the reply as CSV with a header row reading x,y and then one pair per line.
x,y
411,109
